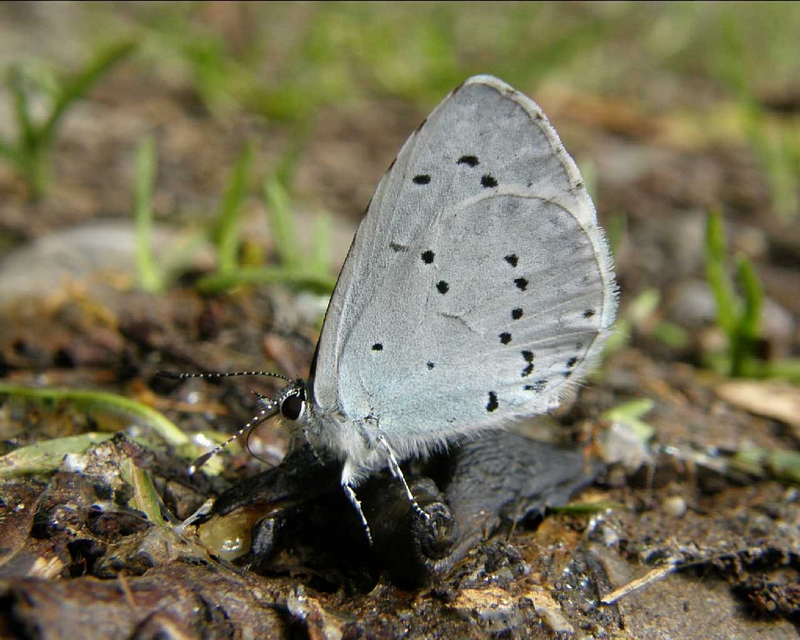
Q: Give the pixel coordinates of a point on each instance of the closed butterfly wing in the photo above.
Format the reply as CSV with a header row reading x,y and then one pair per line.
x,y
479,285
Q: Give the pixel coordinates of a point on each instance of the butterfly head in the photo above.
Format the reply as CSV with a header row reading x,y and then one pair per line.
x,y
292,401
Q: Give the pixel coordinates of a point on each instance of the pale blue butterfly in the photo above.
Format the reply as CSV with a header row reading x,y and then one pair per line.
x,y
478,290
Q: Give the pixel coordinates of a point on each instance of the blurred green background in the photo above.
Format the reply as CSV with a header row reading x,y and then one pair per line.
x,y
720,65
212,117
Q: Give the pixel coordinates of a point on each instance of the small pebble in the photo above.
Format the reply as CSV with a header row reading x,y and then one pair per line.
x,y
674,506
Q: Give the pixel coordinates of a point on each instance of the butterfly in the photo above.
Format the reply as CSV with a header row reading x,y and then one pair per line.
x,y
478,290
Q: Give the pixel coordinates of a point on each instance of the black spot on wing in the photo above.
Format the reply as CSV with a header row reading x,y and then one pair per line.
x,y
537,386
505,337
488,182
492,404
430,365
528,369
377,347
394,246
572,362
516,314
512,259
470,161
442,287
588,313
422,178
522,284
428,256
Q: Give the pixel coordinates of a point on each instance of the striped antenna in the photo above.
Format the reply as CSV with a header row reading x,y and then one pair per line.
x,y
270,407
262,400
267,412
185,376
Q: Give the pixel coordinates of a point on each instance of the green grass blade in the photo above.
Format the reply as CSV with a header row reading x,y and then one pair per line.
x,y
281,223
226,234
717,275
150,277
781,464
266,275
748,325
43,457
78,86
632,413
100,401
672,335
785,369
8,152
29,157
579,508
287,164
181,253
145,497
27,130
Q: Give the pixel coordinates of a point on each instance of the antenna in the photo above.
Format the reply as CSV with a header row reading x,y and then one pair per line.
x,y
184,376
270,408
264,414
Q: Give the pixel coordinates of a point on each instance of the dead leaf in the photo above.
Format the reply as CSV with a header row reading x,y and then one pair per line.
x,y
774,399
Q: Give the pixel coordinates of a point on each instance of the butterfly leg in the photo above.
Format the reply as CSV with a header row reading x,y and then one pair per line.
x,y
397,472
312,447
351,495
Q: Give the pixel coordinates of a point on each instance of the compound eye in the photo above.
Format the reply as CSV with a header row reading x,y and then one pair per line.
x,y
292,407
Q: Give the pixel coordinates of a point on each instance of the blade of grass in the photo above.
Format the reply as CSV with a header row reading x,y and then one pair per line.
x,y
287,163
579,508
281,223
671,335
16,84
145,497
749,320
786,369
631,413
150,276
781,464
739,318
89,401
30,154
226,234
43,457
181,253
78,86
266,275
716,273
7,151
